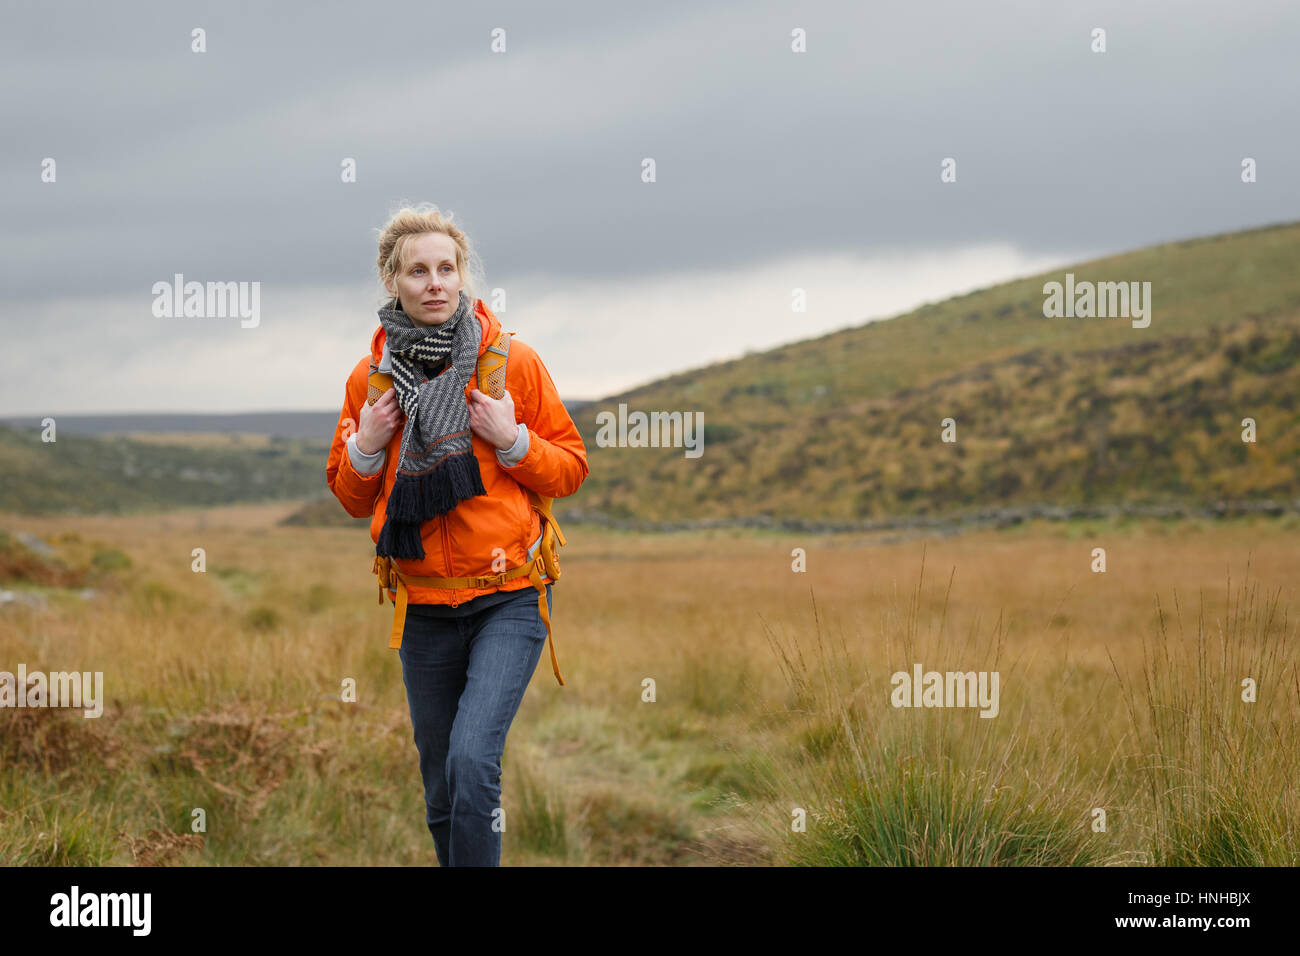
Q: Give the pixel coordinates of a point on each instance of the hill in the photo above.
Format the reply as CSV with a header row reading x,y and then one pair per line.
x,y
1048,411
89,475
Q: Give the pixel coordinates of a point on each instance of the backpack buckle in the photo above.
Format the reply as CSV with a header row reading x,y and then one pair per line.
x,y
382,568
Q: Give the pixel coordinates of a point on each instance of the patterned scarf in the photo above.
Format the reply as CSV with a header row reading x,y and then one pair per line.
x,y
437,469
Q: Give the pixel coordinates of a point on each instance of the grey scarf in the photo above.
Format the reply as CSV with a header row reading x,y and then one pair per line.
x,y
437,469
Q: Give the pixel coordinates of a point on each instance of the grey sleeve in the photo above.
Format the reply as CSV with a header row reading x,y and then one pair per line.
x,y
515,453
363,463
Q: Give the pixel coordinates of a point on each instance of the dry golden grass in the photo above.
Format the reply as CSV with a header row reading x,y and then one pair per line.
x,y
771,693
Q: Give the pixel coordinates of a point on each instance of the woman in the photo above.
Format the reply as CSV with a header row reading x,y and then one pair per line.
x,y
442,469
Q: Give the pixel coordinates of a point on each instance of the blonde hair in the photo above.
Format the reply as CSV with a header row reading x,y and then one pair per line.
x,y
419,220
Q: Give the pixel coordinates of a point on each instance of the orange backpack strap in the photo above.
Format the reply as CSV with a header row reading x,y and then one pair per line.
x,y
492,371
492,366
379,382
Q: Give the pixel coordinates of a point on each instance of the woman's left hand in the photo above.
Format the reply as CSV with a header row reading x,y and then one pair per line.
x,y
493,419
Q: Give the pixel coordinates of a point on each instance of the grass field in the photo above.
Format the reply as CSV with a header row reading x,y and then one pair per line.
x,y
1119,691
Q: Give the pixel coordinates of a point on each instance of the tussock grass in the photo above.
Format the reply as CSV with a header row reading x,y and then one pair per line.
x,y
1223,773
903,786
543,818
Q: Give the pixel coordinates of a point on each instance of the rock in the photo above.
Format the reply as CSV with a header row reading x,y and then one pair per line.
x,y
23,599
33,543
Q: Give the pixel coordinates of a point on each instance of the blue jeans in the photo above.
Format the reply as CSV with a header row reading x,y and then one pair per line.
x,y
465,678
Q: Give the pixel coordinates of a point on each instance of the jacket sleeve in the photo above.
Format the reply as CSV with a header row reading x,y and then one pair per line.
x,y
556,461
356,492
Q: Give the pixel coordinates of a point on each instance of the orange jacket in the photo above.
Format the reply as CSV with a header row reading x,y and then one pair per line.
x,y
462,543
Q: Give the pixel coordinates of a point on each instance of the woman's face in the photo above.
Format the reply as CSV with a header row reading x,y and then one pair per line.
x,y
429,284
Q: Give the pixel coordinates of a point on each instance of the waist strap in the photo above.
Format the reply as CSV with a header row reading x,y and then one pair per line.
x,y
392,579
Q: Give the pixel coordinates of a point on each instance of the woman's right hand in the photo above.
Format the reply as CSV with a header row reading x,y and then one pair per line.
x,y
379,422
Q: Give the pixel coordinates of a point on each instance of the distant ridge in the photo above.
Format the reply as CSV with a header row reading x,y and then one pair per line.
x,y
305,425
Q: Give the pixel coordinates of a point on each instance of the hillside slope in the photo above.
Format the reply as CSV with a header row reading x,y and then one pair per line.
x,y
88,475
1061,411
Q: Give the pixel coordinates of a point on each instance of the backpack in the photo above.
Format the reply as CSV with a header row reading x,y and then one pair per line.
x,y
542,558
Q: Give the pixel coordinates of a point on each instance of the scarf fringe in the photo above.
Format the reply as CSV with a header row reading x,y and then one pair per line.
x,y
414,500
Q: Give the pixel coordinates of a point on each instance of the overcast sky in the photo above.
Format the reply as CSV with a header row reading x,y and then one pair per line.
x,y
774,170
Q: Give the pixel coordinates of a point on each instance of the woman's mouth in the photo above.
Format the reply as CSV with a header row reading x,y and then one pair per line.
x,y
435,305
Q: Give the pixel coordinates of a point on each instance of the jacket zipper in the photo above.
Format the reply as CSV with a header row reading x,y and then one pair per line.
x,y
446,543
446,550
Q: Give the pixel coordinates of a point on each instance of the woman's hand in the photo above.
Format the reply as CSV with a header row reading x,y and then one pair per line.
x,y
379,422
493,419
